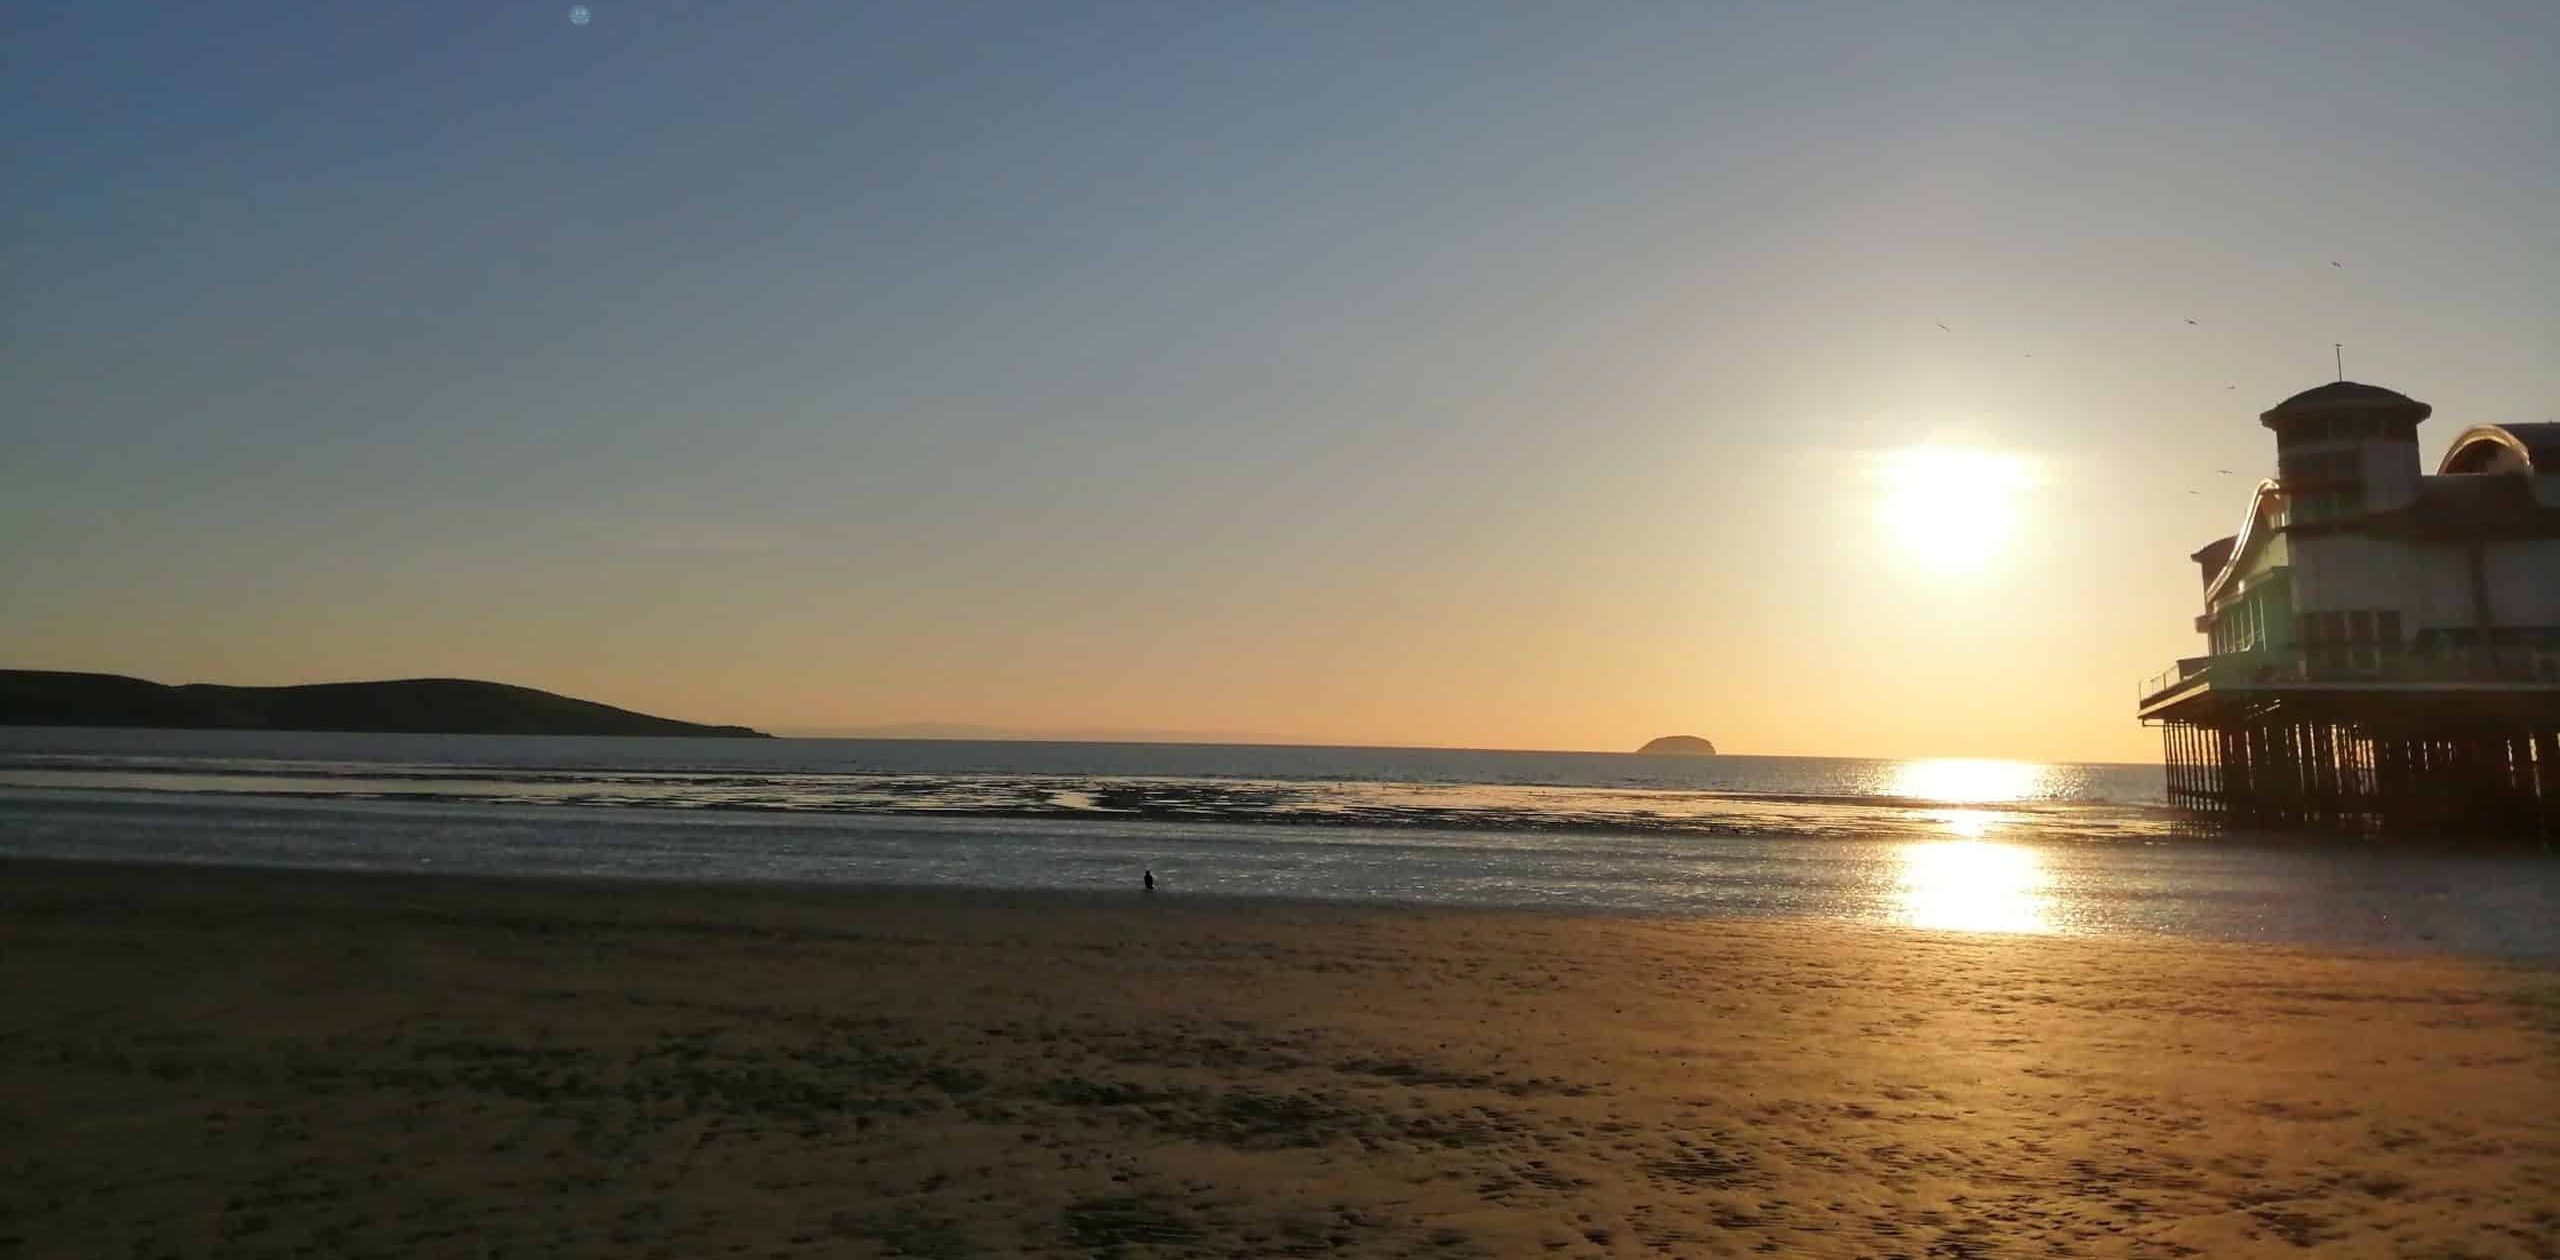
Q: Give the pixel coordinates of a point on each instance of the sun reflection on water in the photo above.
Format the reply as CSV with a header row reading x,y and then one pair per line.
x,y
1968,881
1972,885
1967,780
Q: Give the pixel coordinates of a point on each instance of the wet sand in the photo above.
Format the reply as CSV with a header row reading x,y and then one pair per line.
x,y
243,1063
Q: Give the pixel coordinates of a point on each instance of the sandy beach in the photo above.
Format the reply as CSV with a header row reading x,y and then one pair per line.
x,y
230,1062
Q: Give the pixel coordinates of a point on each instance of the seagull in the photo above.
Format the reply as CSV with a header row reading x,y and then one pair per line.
x,y
1944,328
2231,387
2224,471
2335,263
2191,321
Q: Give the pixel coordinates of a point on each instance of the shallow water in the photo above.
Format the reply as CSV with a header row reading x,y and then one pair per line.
x,y
1971,846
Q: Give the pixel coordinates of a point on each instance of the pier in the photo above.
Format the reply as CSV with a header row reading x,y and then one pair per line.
x,y
2464,743
2384,646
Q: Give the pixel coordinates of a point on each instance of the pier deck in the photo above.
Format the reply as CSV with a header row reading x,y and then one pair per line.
x,y
2464,742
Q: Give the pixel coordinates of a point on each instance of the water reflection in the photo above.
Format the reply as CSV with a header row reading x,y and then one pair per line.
x,y
1972,885
1966,780
1970,882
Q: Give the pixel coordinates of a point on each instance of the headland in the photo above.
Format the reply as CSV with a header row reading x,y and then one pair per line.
x,y
431,706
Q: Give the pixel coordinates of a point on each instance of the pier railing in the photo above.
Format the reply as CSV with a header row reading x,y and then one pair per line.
x,y
2175,675
2364,662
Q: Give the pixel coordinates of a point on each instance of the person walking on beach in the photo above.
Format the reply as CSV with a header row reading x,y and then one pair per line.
x,y
1151,879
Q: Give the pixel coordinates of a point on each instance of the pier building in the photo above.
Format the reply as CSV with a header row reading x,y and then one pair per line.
x,y
2382,645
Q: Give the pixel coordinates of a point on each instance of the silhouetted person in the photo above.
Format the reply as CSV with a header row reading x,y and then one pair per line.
x,y
1151,879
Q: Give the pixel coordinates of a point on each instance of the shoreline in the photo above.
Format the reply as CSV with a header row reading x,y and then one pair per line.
x,y
2162,823
2323,894
255,1061
2318,893
776,892
1453,819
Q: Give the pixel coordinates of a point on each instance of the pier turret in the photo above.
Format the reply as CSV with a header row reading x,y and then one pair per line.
x,y
2346,449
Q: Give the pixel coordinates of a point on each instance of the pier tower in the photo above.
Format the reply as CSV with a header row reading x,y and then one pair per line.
x,y
2382,646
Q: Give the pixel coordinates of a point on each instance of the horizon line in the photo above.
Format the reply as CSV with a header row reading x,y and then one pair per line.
x,y
1004,735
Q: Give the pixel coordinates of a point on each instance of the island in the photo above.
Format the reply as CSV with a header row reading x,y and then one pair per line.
x,y
419,706
1677,746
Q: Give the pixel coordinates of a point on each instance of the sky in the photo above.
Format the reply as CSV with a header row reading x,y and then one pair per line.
x,y
1817,378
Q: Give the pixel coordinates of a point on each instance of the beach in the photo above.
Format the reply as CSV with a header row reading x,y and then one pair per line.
x,y
237,1062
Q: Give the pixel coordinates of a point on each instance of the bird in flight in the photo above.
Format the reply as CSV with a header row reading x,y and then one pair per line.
x,y
2191,321
2335,263
1944,328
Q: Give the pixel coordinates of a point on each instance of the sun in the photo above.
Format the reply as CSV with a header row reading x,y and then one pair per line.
x,y
1950,507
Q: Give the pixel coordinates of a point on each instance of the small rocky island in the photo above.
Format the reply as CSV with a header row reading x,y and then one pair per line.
x,y
433,706
1677,746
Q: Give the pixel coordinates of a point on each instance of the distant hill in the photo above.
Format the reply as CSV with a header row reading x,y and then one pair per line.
x,y
1677,746
427,706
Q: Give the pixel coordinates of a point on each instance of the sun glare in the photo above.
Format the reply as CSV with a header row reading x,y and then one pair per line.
x,y
1950,507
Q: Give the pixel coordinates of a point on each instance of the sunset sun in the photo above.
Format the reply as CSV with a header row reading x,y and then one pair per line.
x,y
1951,508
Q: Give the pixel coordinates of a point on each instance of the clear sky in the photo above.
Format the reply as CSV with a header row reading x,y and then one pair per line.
x,y
1553,376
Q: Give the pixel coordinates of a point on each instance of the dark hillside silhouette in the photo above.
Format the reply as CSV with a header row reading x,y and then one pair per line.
x,y
438,706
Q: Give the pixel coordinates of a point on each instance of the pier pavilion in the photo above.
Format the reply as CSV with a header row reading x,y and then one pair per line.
x,y
2383,646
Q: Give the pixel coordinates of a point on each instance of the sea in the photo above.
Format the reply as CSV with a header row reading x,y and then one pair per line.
x,y
1939,844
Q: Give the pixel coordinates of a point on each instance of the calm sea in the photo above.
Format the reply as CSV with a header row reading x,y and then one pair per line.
x,y
1990,846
